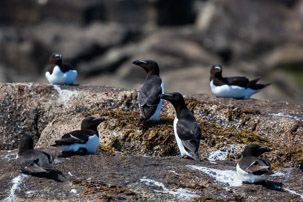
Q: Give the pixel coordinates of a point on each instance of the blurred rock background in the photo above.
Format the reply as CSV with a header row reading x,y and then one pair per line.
x,y
101,38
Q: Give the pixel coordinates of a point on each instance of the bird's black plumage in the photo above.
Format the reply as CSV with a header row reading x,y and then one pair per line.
x,y
148,96
88,128
187,128
56,59
252,164
33,161
219,80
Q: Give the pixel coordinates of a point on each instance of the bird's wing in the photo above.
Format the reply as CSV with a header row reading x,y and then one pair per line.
x,y
74,137
148,96
258,167
238,81
190,135
188,130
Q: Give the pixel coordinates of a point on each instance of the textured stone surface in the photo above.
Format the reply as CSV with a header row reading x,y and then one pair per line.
x,y
137,162
130,178
47,112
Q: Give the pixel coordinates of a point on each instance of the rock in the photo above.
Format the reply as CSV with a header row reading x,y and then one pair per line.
x,y
223,28
174,13
41,110
37,11
103,177
137,162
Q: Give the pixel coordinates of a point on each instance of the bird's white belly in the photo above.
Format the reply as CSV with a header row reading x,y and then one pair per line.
x,y
156,115
60,78
228,91
90,146
179,142
248,177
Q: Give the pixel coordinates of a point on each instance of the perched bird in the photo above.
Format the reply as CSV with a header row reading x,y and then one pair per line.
x,y
252,169
187,130
36,163
232,87
30,160
58,72
85,140
148,98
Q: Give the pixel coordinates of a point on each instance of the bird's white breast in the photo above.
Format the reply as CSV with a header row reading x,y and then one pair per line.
x,y
179,142
156,115
60,78
248,177
231,91
91,145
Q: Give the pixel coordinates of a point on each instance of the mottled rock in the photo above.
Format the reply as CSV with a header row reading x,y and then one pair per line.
x,y
137,162
103,177
40,110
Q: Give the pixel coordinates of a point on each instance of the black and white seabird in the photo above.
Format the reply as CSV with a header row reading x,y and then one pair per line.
x,y
32,161
187,130
252,169
148,97
232,87
58,72
85,140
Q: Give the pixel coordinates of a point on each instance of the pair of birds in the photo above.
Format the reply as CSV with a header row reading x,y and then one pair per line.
x,y
36,162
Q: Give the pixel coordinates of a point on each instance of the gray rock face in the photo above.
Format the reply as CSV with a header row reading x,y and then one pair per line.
x,y
137,162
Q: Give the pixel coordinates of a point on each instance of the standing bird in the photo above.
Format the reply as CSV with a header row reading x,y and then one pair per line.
x,y
148,98
85,140
187,130
252,169
30,160
232,87
58,72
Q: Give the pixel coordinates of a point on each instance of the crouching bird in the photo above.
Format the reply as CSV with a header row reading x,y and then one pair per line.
x,y
187,130
59,72
83,141
232,87
251,168
35,162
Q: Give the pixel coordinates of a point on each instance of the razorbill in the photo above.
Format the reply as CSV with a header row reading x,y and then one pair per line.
x,y
232,87
187,130
252,169
85,140
32,161
58,72
148,96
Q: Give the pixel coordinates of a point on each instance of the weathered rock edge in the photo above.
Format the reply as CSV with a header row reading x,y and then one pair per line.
x,y
29,107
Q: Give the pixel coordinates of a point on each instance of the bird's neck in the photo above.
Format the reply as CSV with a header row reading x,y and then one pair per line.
x,y
181,110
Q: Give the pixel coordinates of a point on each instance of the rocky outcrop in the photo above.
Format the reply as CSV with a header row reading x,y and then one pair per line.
x,y
137,162
48,111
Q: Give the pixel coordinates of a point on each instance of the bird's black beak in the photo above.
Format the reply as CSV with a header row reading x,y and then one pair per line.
x,y
139,62
99,120
57,55
265,149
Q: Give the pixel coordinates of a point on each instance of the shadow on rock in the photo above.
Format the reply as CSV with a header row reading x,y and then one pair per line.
x,y
50,174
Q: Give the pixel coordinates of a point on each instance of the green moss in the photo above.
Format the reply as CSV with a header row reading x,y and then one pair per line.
x,y
102,187
221,135
157,138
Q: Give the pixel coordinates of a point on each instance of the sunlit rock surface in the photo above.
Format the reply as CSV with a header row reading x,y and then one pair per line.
x,y
137,162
